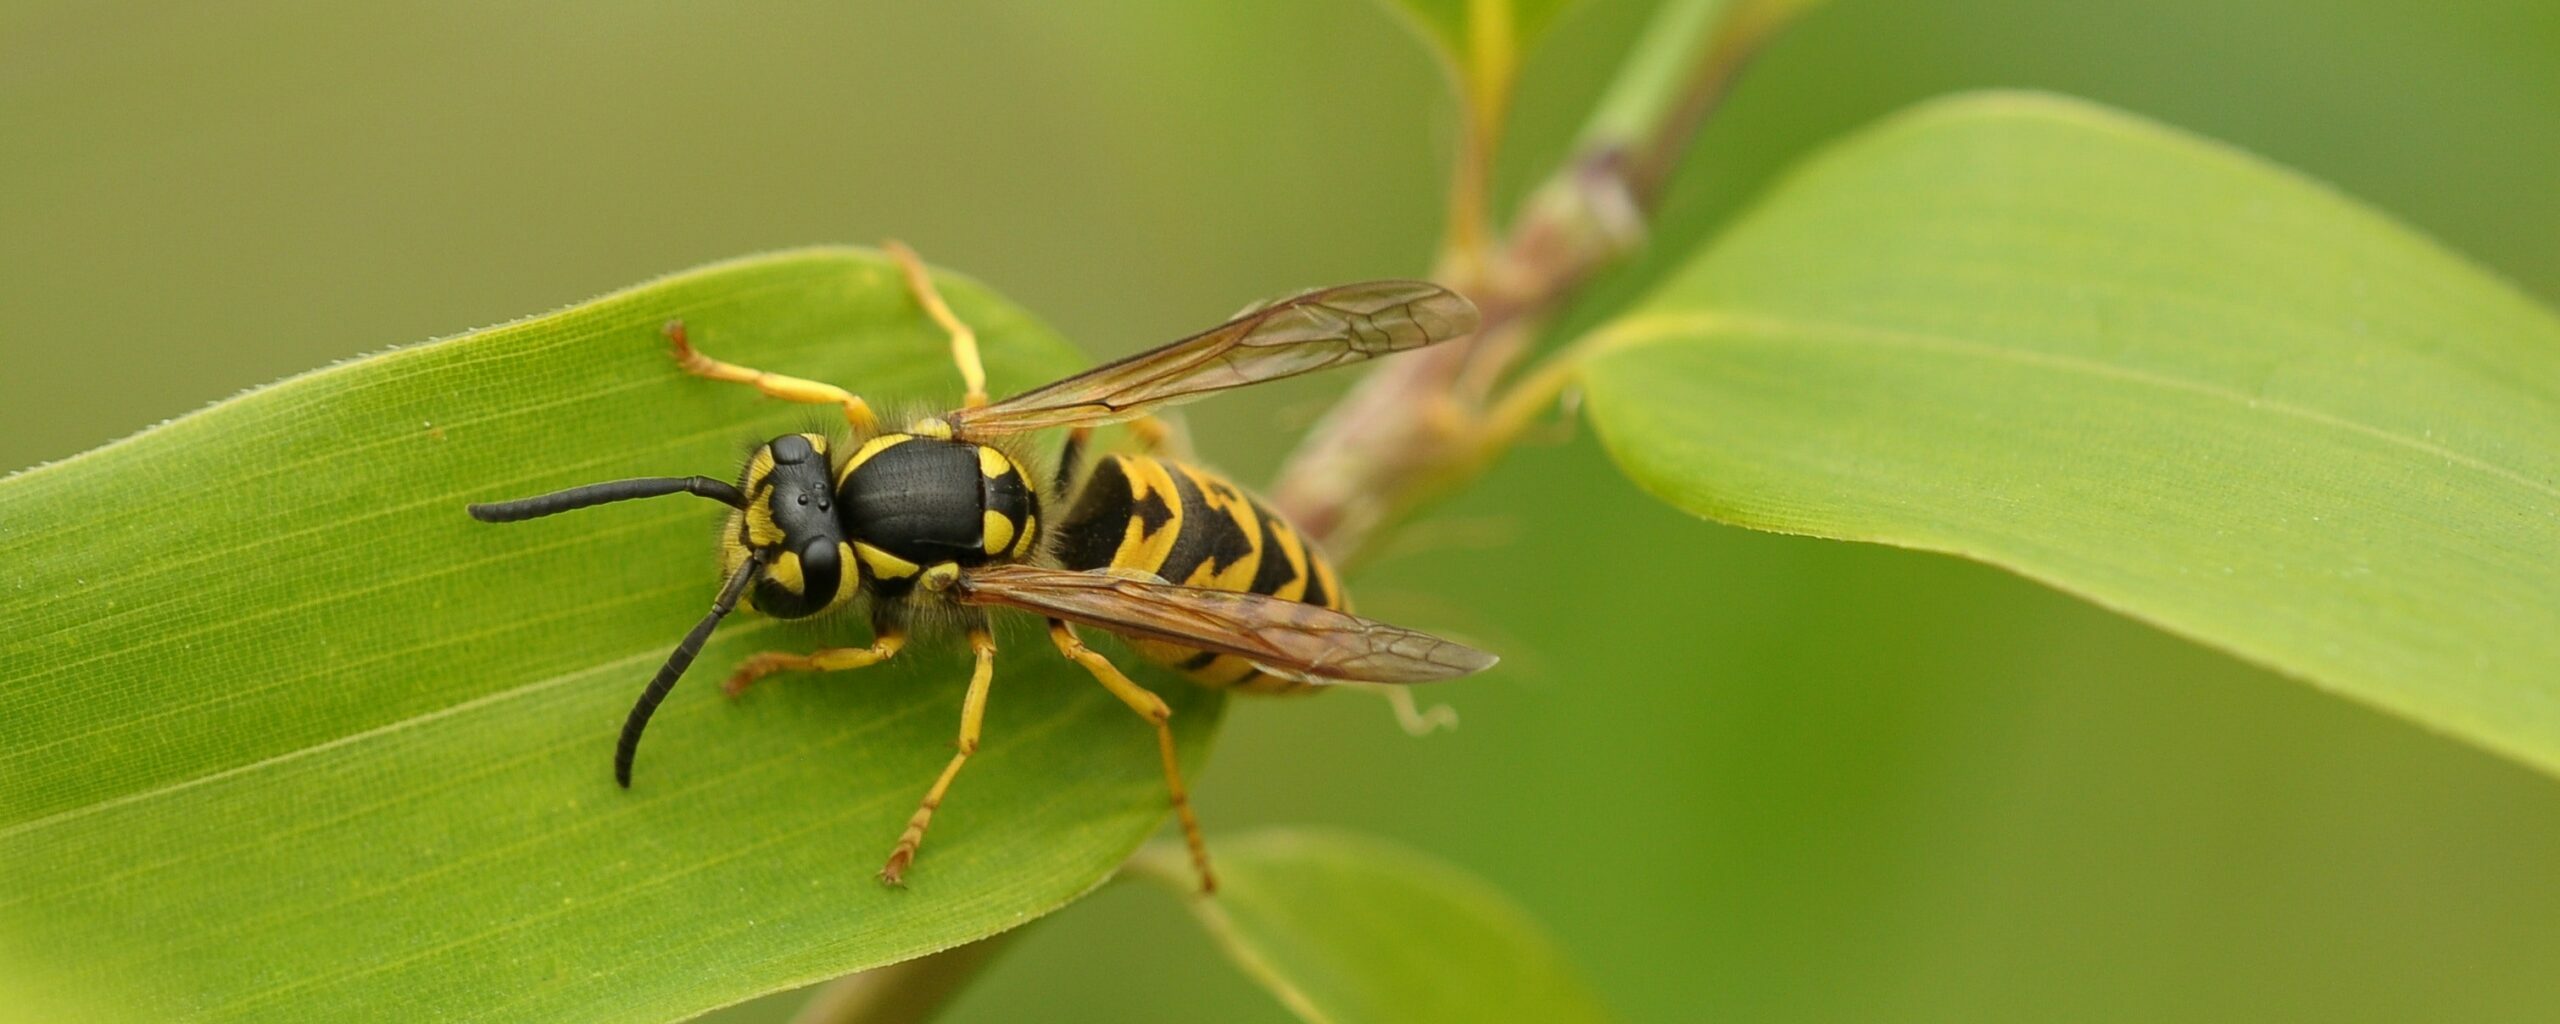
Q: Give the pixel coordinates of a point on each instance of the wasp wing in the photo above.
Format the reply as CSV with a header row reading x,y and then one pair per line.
x,y
1291,638
1300,334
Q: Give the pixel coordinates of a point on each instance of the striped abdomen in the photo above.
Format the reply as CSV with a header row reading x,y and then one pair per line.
x,y
1194,528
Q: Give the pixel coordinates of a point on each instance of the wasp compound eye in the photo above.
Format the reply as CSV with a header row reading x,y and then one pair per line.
x,y
822,567
801,583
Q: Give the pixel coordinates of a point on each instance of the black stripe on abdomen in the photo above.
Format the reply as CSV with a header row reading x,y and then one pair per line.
x,y
1276,572
1317,592
1091,535
1209,536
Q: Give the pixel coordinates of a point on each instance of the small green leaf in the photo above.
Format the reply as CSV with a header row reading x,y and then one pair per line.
x,y
2142,368
291,737
1482,42
1344,929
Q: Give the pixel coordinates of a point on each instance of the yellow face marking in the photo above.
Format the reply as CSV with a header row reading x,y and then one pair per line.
x,y
786,571
761,530
759,466
998,531
941,575
992,462
870,448
1030,530
817,442
883,564
930,427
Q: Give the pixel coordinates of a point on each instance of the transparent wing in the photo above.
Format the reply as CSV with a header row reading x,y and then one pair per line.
x,y
1300,334
1288,637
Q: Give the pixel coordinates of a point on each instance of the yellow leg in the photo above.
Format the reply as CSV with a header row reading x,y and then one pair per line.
x,y
789,389
1153,435
964,342
1153,707
1149,433
830,659
1409,713
1071,458
973,710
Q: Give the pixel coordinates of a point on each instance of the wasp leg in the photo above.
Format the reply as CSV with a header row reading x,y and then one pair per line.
x,y
964,342
1155,711
1410,715
1154,434
973,710
1148,435
789,389
828,659
1071,458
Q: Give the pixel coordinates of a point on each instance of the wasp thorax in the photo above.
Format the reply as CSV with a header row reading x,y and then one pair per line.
x,y
790,524
918,508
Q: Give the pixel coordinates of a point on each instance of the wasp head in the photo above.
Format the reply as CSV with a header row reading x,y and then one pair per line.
x,y
789,524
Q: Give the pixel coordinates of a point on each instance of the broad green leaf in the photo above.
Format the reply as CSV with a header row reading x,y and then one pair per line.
x,y
291,737
1344,929
2140,367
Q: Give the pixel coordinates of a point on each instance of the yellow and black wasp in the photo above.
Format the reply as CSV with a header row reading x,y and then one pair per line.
x,y
943,519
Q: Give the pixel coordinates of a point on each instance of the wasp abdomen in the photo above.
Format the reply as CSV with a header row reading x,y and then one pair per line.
x,y
1194,528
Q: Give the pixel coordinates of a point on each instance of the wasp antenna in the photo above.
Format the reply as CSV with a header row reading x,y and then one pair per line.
x,y
609,491
677,662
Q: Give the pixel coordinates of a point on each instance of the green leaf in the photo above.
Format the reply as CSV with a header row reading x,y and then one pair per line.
x,y
291,737
2142,368
1344,929
1482,42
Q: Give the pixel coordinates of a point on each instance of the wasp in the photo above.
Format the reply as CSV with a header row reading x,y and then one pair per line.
x,y
945,519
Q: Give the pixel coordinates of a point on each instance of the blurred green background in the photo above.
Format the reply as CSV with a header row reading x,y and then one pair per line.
x,y
1740,776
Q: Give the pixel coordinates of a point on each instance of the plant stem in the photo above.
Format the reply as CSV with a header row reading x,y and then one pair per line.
x,y
1162,863
1427,421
